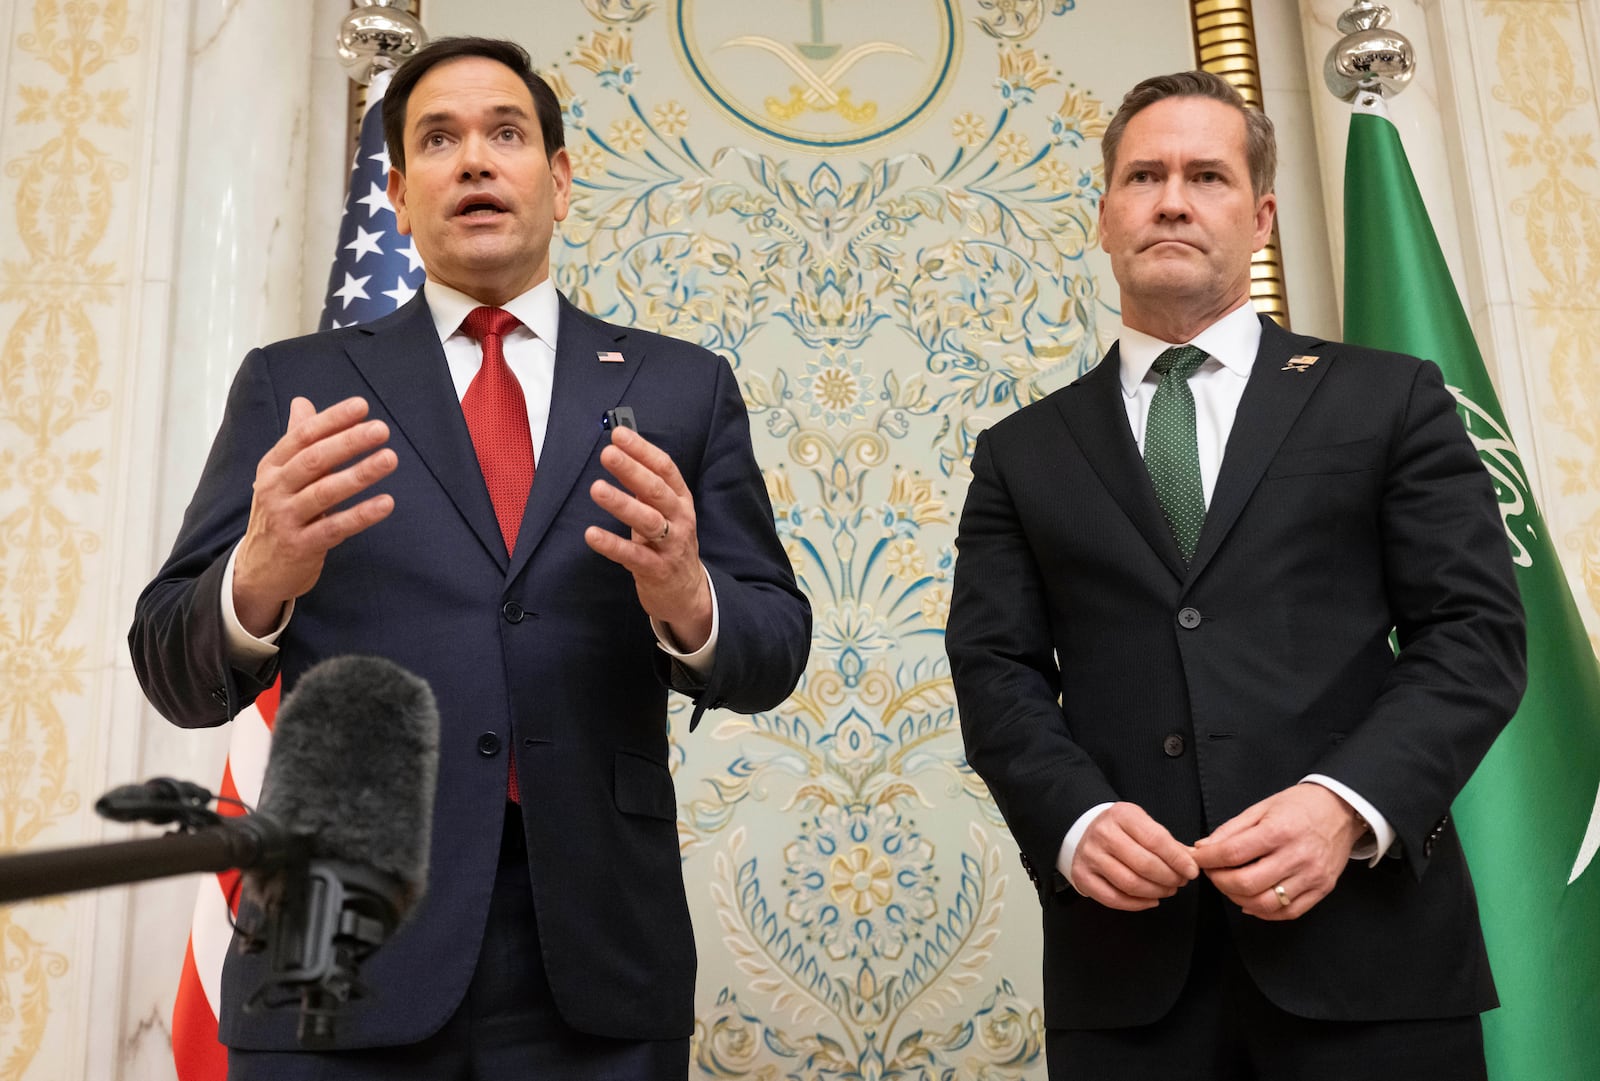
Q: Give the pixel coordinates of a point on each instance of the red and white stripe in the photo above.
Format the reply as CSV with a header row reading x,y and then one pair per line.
x,y
195,1050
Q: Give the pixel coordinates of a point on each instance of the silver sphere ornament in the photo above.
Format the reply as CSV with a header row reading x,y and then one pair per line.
x,y
1369,58
376,37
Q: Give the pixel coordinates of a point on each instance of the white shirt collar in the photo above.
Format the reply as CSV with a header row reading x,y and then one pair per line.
x,y
538,309
1232,341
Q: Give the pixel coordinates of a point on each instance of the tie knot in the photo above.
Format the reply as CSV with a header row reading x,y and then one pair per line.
x,y
1183,359
486,322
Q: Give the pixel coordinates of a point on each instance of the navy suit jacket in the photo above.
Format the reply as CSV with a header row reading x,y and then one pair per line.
x,y
545,654
1091,665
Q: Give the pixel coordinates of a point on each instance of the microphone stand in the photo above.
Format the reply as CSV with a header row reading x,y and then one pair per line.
x,y
328,916
248,841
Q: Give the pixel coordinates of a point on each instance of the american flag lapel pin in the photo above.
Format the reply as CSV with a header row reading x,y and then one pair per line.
x,y
610,356
1299,363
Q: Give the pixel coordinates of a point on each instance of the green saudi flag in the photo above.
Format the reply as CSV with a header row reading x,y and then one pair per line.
x,y
1529,819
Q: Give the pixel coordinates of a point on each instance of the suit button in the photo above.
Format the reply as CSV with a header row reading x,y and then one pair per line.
x,y
1188,618
512,611
488,745
1172,746
1027,866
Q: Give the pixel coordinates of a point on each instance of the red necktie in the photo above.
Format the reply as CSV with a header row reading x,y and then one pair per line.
x,y
497,419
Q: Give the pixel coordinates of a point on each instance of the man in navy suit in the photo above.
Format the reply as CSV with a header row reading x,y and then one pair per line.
x,y
356,500
1170,642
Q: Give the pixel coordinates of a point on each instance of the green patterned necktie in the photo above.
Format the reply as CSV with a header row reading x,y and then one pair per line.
x,y
1171,452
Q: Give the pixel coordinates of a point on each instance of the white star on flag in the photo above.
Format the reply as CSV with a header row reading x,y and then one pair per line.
x,y
353,289
413,260
375,200
365,243
401,292
382,158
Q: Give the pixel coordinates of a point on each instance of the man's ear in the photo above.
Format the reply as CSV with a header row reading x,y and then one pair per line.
x,y
397,199
1266,211
561,177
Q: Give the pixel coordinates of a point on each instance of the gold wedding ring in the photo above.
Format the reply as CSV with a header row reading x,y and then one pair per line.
x,y
1282,895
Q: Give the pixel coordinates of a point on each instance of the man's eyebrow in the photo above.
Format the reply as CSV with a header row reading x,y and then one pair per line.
x,y
445,116
1152,165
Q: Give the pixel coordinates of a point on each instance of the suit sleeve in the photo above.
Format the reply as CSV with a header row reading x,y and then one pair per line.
x,y
177,641
1007,683
1461,666
764,635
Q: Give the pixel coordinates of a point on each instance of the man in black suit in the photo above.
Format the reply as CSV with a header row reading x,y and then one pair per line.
x,y
1170,641
437,488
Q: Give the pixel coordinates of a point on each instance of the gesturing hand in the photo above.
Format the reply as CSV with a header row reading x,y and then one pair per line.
x,y
298,482
663,550
1129,861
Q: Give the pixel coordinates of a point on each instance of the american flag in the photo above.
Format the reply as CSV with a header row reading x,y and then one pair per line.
x,y
375,270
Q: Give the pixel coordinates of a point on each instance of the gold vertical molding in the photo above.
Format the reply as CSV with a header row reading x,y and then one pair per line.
x,y
63,180
1225,45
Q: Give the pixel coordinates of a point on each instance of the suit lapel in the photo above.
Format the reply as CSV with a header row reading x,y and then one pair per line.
x,y
1097,418
583,389
402,361
1273,398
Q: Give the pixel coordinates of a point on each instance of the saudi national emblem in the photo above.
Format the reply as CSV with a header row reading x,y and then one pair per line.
x,y
1499,454
820,73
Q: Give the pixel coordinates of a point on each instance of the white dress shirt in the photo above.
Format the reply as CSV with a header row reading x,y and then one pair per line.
x,y
1218,384
530,353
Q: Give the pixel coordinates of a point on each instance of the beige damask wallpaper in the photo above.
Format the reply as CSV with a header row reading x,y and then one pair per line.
x,y
884,215
66,158
1544,82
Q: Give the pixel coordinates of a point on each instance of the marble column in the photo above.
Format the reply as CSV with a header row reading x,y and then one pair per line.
x,y
225,250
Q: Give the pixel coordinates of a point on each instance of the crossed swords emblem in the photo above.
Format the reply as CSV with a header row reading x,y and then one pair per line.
x,y
820,91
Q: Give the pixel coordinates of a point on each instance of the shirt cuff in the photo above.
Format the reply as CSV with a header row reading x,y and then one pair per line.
x,y
246,652
1069,846
699,663
1377,844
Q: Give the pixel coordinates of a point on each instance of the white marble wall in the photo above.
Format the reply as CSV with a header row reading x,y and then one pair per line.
x,y
206,230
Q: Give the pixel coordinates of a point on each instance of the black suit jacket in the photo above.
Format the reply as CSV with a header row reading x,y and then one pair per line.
x,y
1091,665
546,654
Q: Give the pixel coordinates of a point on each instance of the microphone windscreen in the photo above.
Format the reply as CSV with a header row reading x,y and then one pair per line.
x,y
355,755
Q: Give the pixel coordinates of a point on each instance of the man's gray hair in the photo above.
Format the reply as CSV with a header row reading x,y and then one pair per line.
x,y
1261,147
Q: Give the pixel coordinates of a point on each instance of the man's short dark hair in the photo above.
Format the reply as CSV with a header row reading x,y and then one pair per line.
x,y
431,55
1261,148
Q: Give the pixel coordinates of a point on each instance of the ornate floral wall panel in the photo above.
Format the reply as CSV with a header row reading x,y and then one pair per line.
x,y
68,152
1547,137
884,216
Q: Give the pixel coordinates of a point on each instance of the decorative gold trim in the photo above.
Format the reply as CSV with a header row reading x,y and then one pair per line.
x,y
1225,44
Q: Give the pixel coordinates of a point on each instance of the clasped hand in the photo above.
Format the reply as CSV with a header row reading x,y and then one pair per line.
x,y
1298,839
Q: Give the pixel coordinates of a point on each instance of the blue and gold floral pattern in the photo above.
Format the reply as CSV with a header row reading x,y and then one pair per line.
x,y
883,295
